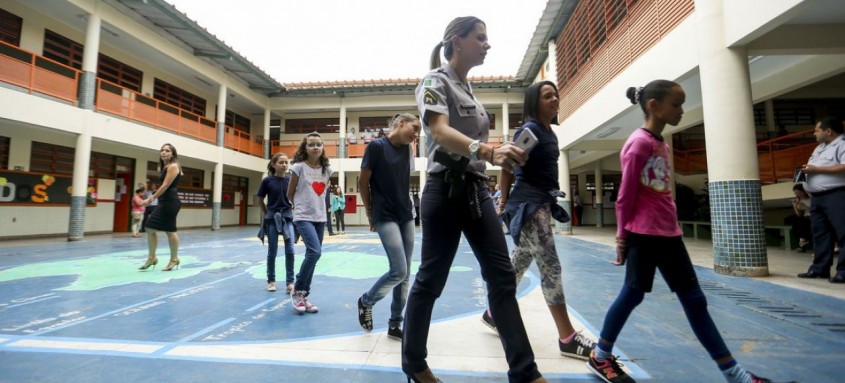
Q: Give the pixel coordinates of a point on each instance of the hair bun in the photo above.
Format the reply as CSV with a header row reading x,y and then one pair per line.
x,y
631,93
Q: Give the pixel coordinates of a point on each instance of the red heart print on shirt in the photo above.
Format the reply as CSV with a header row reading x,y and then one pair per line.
x,y
319,187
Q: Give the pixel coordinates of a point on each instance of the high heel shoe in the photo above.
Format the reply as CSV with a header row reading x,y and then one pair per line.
x,y
149,263
423,376
170,265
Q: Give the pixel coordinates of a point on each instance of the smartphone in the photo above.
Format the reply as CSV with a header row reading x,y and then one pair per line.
x,y
526,140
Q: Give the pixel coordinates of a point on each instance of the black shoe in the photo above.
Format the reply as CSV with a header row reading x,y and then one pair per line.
x,y
394,333
488,320
813,274
365,315
839,278
609,370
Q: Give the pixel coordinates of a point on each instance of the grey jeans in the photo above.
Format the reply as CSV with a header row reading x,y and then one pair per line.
x,y
398,242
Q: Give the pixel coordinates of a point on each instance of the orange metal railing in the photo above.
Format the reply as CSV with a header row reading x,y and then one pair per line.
x,y
38,74
114,99
289,147
243,142
778,158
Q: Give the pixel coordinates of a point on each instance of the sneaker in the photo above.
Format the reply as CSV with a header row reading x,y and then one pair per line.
x,y
310,307
271,286
488,321
365,315
394,333
609,370
757,379
579,348
297,301
289,287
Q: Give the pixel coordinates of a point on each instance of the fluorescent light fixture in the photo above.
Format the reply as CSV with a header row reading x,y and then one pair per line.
x,y
608,131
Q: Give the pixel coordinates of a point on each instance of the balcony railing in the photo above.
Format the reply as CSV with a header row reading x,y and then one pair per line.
x,y
289,147
38,74
114,99
243,142
778,158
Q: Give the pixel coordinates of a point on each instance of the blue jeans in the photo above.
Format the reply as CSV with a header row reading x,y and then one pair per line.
x,y
273,248
312,236
398,242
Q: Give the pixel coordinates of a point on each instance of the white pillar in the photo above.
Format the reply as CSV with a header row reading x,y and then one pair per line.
x,y
79,186
341,181
551,73
222,92
566,187
739,244
599,198
770,117
267,133
342,149
88,82
505,119
217,195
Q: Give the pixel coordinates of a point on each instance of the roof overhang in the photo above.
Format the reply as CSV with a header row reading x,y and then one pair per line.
x,y
554,18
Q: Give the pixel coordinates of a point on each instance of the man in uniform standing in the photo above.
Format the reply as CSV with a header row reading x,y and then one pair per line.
x,y
826,183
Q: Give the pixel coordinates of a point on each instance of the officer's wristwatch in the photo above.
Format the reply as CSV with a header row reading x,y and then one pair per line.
x,y
473,150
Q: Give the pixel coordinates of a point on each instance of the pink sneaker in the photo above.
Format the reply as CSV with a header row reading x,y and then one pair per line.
x,y
298,302
310,307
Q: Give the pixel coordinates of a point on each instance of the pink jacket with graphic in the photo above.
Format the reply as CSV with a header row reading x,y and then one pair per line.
x,y
644,204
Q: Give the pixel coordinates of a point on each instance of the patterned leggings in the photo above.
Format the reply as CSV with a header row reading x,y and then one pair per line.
x,y
537,242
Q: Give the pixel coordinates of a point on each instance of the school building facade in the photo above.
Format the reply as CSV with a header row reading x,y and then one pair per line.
x,y
93,88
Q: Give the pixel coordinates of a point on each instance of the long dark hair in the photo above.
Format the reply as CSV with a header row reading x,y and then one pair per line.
x,y
302,153
657,90
173,158
271,169
461,27
531,105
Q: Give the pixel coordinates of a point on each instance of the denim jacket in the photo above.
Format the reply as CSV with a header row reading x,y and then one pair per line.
x,y
524,201
282,219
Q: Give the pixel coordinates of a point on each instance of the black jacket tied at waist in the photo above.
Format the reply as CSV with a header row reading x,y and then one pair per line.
x,y
462,183
524,201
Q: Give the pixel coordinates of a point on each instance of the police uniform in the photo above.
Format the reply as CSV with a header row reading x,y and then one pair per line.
x,y
827,209
444,218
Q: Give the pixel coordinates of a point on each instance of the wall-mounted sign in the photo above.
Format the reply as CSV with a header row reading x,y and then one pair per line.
x,y
27,188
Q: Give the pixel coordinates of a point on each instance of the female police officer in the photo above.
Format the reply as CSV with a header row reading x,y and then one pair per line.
x,y
458,126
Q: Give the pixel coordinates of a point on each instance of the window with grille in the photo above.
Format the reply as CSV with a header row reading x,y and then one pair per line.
x,y
237,121
319,125
235,183
795,116
49,158
376,123
515,120
69,52
5,143
178,97
103,165
10,27
191,177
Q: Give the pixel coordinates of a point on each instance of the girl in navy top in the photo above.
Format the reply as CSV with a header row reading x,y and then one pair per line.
x,y
278,218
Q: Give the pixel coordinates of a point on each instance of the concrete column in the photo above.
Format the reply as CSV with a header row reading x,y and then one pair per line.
x,y
770,117
79,188
505,120
668,139
423,152
217,195
342,150
563,181
341,181
736,206
88,81
551,72
221,114
599,198
267,134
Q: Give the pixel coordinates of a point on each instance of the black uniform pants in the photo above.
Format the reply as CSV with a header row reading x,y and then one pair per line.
x,y
827,218
443,221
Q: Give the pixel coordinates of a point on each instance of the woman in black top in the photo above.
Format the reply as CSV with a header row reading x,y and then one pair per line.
x,y
164,216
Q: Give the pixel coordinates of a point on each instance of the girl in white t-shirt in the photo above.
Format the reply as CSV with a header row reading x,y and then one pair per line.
x,y
309,182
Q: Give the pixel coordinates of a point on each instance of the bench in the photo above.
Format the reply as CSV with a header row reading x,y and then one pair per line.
x,y
702,230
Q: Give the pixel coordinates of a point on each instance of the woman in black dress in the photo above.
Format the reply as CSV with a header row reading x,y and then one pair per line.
x,y
163,217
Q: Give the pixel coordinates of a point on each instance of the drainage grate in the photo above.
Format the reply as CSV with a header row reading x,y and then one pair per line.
x,y
776,309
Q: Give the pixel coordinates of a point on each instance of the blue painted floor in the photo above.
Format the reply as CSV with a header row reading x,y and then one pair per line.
x,y
81,312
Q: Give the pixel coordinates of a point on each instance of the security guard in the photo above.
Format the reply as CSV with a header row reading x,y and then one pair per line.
x,y
455,200
826,184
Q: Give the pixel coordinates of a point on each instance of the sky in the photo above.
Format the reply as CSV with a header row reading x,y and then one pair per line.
x,y
331,40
